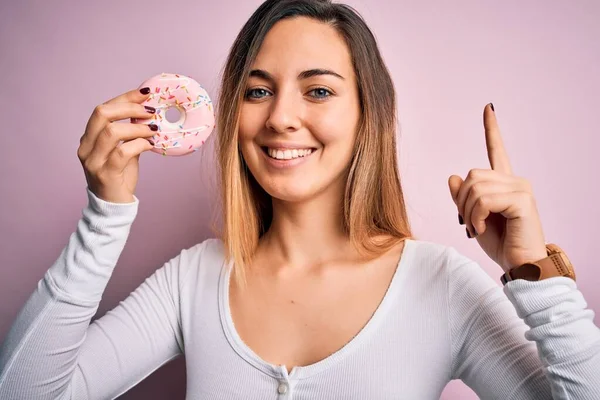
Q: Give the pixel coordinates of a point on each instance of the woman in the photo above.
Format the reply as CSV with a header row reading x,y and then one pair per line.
x,y
315,288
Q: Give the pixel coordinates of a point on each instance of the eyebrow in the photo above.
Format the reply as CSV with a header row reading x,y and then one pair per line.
x,y
260,73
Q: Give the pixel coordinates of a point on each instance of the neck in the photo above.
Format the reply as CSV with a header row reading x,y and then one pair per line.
x,y
308,233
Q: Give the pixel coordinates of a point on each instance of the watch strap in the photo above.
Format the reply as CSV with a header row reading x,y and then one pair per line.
x,y
556,264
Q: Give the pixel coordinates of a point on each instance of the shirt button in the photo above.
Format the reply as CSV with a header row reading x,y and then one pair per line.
x,y
282,389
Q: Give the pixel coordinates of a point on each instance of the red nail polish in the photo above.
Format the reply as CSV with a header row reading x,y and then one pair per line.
x,y
145,90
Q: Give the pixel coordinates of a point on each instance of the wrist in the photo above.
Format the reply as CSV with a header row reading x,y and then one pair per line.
x,y
555,263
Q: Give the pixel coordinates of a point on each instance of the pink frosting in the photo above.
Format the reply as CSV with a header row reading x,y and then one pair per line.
x,y
197,116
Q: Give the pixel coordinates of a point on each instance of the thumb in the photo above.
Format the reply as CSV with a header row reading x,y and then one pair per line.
x,y
454,183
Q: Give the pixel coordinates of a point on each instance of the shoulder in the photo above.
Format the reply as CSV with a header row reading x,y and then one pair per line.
x,y
209,252
207,249
435,255
444,261
198,261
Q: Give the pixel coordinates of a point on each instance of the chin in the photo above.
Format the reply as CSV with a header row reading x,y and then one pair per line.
x,y
290,191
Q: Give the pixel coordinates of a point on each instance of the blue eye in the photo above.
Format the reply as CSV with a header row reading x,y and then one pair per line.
x,y
321,93
256,93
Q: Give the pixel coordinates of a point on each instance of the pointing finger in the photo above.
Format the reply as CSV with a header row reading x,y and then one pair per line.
x,y
496,151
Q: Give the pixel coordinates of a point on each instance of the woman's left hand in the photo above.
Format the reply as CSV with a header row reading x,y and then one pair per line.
x,y
499,208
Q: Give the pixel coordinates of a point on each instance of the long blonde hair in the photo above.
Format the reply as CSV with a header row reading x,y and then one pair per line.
x,y
373,205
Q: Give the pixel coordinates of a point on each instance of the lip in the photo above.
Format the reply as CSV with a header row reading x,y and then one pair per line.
x,y
283,164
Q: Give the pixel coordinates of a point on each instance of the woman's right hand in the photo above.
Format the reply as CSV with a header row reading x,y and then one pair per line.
x,y
111,167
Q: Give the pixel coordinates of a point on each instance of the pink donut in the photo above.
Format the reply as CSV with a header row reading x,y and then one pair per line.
x,y
196,116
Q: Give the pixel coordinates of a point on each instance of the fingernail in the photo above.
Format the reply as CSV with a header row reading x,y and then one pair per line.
x,y
151,110
468,234
153,127
145,90
151,142
492,106
460,219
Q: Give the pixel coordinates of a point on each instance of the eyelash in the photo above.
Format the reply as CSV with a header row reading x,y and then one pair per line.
x,y
249,92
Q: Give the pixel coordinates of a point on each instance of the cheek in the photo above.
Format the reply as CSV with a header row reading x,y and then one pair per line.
x,y
335,126
250,123
248,130
246,125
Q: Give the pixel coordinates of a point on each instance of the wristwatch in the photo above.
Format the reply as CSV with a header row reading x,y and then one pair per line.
x,y
556,264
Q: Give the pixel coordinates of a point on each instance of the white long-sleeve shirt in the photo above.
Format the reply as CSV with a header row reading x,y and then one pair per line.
x,y
442,318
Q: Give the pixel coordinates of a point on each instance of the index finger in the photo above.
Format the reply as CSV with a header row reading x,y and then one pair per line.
x,y
96,123
497,154
120,107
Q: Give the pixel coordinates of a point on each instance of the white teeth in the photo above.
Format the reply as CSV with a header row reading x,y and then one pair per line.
x,y
288,154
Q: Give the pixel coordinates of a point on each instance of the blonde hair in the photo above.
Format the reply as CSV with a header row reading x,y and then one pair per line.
x,y
373,204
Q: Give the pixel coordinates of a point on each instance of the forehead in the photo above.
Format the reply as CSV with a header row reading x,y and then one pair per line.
x,y
297,44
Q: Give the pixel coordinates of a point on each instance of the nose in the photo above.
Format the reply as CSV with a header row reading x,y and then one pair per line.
x,y
284,114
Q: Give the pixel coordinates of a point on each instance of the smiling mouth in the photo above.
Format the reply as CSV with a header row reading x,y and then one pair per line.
x,y
287,154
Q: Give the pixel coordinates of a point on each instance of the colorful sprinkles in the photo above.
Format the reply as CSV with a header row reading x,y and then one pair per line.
x,y
164,98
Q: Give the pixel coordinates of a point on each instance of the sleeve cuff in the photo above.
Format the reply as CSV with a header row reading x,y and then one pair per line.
x,y
530,297
110,209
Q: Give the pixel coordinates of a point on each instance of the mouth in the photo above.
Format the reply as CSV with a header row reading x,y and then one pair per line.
x,y
287,154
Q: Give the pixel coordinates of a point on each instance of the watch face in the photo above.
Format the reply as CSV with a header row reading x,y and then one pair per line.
x,y
553,248
566,268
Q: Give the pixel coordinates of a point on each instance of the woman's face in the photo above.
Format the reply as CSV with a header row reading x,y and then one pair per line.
x,y
301,97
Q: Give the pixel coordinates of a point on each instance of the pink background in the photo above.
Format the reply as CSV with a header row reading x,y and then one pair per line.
x,y
537,61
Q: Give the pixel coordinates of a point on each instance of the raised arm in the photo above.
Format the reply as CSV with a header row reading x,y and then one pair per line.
x,y
51,350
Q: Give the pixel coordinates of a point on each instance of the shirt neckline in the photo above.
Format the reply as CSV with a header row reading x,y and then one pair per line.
x,y
302,372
